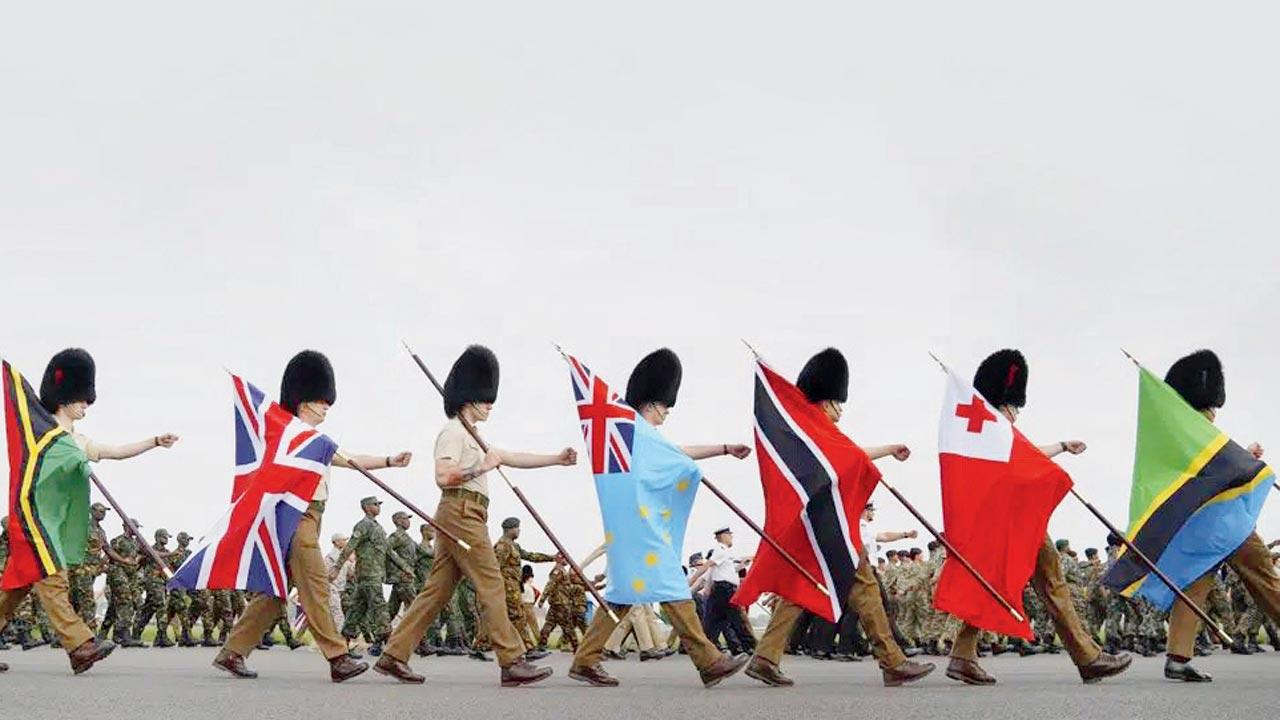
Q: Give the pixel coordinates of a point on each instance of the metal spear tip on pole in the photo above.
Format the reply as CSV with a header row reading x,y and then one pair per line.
x,y
935,359
751,348
1133,359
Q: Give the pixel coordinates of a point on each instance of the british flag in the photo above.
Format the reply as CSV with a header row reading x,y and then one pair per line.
x,y
280,462
608,423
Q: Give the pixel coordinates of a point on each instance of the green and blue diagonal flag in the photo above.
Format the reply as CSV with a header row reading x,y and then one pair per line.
x,y
1196,495
646,487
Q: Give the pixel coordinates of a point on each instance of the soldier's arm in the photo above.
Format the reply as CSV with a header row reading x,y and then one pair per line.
x,y
124,452
405,566
374,462
357,536
536,556
703,452
116,557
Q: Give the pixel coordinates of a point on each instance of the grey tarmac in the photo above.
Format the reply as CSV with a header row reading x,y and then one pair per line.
x,y
180,683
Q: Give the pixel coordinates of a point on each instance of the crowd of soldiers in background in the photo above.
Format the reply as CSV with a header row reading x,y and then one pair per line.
x,y
362,565
909,577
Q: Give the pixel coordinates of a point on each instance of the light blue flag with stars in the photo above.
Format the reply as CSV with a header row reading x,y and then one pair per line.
x,y
646,487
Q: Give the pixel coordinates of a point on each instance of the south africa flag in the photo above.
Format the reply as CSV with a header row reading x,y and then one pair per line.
x,y
48,488
1196,495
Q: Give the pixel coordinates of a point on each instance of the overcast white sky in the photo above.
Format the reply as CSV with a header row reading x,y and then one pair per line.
x,y
187,188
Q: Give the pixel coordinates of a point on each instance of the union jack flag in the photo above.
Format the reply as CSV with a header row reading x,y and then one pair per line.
x,y
280,462
608,423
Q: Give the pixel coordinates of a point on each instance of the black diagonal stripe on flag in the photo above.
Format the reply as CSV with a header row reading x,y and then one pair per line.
x,y
810,477
1231,467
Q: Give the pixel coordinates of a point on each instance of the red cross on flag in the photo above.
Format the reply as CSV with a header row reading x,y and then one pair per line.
x,y
998,491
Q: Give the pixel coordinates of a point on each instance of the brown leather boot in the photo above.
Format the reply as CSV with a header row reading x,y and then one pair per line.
x,y
908,671
726,666
233,663
768,673
90,652
524,673
1105,666
593,675
968,672
344,668
397,669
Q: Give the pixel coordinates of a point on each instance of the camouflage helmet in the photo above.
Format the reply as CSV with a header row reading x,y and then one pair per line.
x,y
1062,544
183,537
161,534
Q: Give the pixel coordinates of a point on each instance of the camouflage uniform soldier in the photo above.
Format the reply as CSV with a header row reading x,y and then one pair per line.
x,y
935,621
1041,623
176,607
80,577
152,582
1075,578
1150,627
557,595
509,554
201,608
368,612
1095,594
402,552
913,588
122,583
220,613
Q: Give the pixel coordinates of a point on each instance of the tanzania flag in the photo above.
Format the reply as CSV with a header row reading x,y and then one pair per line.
x,y
1196,495
48,488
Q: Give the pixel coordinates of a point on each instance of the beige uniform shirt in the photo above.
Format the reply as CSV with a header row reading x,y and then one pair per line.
x,y
456,445
322,490
89,447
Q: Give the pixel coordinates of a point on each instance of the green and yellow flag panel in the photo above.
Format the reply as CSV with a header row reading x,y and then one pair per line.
x,y
48,488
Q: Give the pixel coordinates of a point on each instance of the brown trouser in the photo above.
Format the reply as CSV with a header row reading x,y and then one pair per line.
x,y
1252,562
864,597
309,575
467,519
54,597
1052,588
684,621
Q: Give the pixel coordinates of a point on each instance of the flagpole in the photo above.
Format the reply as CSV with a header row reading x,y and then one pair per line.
x,y
788,557
1200,613
953,552
524,500
132,529
764,536
402,500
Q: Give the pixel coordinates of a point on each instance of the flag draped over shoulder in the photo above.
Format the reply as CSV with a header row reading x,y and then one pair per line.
x,y
998,491
646,487
816,484
280,461
48,488
1196,495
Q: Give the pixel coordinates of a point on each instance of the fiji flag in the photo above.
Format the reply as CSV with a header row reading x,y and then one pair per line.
x,y
646,488
1196,495
280,462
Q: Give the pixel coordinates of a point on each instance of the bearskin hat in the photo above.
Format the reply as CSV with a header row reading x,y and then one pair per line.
x,y
1198,379
656,379
472,379
825,377
307,378
1002,379
68,378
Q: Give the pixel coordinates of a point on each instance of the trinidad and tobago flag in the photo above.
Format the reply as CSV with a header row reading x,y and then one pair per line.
x,y
816,484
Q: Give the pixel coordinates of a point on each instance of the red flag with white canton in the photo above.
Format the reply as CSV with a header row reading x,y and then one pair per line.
x,y
998,491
